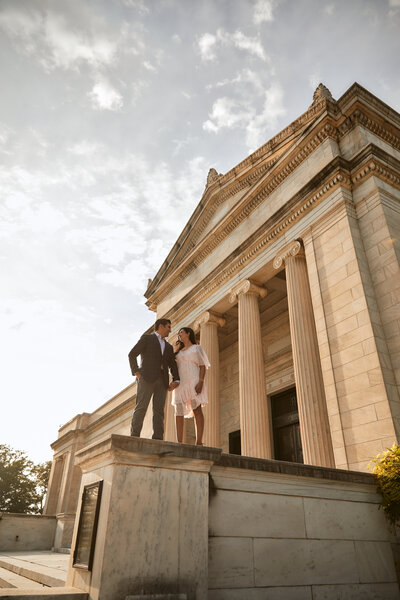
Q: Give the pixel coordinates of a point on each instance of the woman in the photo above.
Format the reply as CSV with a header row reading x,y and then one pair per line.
x,y
191,393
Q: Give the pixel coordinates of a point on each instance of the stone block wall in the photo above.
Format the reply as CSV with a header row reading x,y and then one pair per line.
x,y
19,532
287,536
349,329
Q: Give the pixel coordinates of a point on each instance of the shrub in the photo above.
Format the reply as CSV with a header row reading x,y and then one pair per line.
x,y
386,468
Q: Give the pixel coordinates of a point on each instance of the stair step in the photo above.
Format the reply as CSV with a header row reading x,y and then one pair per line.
x,y
54,593
37,573
8,579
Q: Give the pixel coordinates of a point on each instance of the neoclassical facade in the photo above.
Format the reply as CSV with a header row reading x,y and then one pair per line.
x,y
288,270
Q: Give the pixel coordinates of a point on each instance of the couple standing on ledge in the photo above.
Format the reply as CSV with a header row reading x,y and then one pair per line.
x,y
187,362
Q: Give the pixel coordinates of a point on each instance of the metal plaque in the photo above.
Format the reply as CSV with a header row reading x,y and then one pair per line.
x,y
87,529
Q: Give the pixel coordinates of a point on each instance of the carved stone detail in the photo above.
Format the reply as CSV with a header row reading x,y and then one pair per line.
x,y
210,317
246,287
291,249
212,176
322,92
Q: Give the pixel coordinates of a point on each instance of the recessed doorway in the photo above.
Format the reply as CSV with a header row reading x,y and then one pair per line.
x,y
286,426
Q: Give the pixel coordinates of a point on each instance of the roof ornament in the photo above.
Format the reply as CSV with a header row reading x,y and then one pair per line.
x,y
212,176
322,92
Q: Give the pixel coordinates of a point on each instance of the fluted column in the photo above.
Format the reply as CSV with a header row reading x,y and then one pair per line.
x,y
313,416
208,323
254,418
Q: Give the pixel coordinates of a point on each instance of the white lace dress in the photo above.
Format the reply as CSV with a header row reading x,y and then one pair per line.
x,y
184,397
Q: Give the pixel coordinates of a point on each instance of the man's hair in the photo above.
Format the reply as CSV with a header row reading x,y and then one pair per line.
x,y
161,322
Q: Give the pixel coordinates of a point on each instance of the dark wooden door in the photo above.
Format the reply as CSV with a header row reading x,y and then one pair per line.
x,y
286,427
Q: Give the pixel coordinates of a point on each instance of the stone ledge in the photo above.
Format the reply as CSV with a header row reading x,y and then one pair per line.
x,y
124,449
288,468
54,593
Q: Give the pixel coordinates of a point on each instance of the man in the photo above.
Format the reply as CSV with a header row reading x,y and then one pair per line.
x,y
153,377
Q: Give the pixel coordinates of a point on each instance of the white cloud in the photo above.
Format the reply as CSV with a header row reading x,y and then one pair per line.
x,y
329,9
263,11
208,44
138,4
84,148
69,48
258,127
105,97
147,65
228,113
55,42
246,76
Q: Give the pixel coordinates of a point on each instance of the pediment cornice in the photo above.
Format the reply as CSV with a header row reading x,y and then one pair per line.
x,y
221,187
261,173
256,195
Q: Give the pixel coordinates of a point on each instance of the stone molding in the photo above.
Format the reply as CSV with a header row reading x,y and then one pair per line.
x,y
330,130
232,221
123,449
210,317
246,287
374,167
292,249
178,271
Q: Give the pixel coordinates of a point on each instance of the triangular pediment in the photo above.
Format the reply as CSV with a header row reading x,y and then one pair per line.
x,y
225,193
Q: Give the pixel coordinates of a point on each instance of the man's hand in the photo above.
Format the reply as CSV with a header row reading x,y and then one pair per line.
x,y
138,375
173,385
199,386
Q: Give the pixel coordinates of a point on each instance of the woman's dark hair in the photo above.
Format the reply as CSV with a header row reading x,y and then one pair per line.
x,y
192,337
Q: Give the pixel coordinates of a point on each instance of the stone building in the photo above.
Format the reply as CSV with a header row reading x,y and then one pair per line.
x,y
288,269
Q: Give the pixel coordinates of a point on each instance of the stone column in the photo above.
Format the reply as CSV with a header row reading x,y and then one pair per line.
x,y
313,416
208,323
254,415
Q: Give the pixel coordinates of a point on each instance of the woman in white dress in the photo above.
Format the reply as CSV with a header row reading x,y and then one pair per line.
x,y
191,393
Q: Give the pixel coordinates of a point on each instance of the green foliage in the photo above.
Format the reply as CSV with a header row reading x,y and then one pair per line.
x,y
387,470
22,483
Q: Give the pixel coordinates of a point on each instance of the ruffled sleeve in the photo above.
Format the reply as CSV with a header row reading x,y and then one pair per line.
x,y
202,358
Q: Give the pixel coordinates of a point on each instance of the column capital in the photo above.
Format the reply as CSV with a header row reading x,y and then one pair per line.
x,y
294,248
208,316
246,287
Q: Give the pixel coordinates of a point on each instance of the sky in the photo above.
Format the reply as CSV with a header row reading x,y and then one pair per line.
x,y
112,112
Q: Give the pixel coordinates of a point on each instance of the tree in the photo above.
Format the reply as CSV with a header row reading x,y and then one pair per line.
x,y
41,473
22,483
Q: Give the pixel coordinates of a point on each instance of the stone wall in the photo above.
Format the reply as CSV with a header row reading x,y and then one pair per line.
x,y
181,519
26,532
293,535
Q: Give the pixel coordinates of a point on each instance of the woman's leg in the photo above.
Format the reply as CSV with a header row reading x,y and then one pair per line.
x,y
199,418
179,428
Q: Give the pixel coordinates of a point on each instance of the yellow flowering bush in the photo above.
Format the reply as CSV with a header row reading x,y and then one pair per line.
x,y
386,467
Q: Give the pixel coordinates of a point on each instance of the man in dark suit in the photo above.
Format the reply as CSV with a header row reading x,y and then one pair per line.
x,y
153,377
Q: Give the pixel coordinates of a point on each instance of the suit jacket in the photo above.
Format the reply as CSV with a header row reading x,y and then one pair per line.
x,y
153,362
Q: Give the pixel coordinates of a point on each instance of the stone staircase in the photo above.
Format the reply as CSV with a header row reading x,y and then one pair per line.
x,y
36,576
